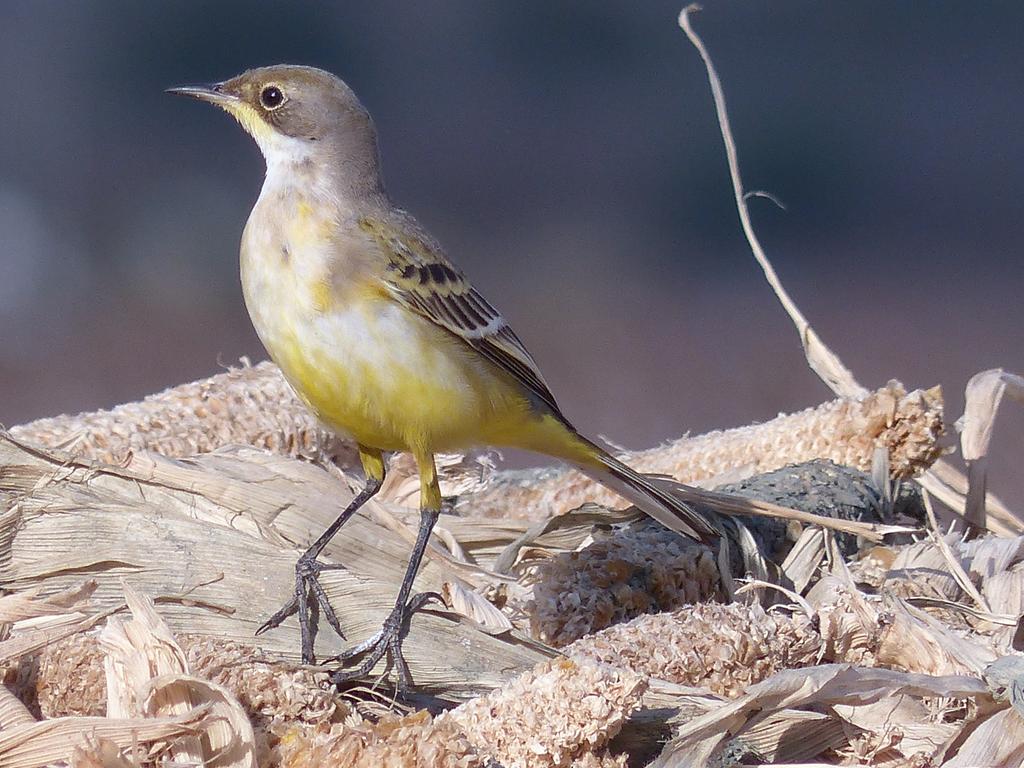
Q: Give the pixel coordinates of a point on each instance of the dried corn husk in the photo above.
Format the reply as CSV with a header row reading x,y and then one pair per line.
x,y
13,713
766,735
983,396
930,573
921,570
198,534
897,731
144,712
886,631
70,680
147,674
791,736
822,686
998,742
242,493
31,604
43,619
207,493
50,741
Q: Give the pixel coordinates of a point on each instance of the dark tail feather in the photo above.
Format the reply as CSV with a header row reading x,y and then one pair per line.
x,y
652,495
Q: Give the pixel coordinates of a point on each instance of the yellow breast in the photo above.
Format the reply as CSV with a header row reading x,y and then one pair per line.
x,y
365,364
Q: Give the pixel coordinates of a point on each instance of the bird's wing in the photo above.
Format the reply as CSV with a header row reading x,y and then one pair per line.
x,y
420,276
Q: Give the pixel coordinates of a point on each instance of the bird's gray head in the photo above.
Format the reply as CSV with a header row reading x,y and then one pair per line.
x,y
299,115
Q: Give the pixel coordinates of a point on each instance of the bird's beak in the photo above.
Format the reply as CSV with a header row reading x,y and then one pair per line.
x,y
215,93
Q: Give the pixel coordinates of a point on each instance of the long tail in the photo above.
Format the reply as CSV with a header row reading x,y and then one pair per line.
x,y
652,495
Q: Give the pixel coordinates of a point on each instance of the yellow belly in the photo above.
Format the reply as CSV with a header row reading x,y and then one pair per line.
x,y
391,379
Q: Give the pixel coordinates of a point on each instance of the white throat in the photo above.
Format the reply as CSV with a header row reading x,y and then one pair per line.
x,y
282,151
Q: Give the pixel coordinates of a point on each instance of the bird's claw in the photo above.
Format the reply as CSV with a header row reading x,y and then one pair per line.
x,y
308,596
387,641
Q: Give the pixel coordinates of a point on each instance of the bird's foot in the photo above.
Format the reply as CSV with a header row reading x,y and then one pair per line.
x,y
307,596
387,641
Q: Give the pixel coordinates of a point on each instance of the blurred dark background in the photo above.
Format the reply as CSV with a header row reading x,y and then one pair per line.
x,y
568,156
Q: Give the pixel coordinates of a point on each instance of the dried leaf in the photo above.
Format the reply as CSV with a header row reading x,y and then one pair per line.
x,y
217,518
475,606
138,651
39,744
228,740
996,743
29,604
903,724
983,395
12,712
790,735
823,686
804,559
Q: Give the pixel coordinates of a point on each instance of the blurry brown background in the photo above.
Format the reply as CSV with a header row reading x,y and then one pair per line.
x,y
569,158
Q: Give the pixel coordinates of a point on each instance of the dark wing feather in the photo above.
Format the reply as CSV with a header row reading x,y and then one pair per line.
x,y
421,277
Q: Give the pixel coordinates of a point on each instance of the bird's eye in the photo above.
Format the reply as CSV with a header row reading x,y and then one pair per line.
x,y
271,97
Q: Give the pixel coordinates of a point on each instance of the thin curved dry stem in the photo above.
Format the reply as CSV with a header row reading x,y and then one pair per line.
x,y
822,360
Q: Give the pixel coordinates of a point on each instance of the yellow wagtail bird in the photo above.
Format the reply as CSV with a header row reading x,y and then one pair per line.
x,y
379,333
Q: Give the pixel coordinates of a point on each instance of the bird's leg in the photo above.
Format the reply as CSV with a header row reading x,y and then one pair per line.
x,y
308,590
389,639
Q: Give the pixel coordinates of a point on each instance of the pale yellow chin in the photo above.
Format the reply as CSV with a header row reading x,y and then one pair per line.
x,y
251,120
